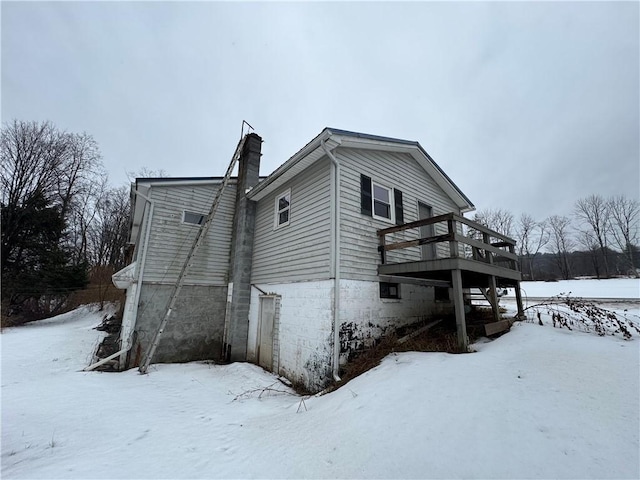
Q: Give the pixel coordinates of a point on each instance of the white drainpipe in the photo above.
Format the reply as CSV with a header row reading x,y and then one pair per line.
x,y
140,264
335,258
126,343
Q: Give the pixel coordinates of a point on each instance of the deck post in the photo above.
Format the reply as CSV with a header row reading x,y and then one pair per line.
x,y
458,300
514,263
519,302
383,252
493,297
487,254
453,245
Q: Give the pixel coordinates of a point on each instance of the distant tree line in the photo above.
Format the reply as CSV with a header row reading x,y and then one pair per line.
x,y
601,238
63,225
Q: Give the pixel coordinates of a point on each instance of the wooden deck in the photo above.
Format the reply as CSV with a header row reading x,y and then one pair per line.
x,y
474,273
477,257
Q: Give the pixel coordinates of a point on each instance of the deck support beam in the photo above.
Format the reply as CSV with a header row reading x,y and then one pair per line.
x,y
519,302
458,301
493,298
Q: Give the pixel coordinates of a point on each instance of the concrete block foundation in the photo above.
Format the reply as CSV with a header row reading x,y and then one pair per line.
x,y
195,328
305,324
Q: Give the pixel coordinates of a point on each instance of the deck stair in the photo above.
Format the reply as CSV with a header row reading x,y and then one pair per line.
x,y
479,299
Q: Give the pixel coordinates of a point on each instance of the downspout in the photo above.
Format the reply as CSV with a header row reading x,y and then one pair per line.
x,y
335,258
140,266
143,260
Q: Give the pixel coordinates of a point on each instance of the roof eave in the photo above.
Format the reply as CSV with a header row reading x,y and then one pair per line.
x,y
312,152
421,156
141,190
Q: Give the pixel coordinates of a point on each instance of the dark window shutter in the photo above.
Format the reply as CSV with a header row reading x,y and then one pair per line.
x,y
397,197
365,195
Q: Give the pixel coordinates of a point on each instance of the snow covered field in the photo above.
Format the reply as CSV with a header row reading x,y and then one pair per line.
x,y
610,288
538,402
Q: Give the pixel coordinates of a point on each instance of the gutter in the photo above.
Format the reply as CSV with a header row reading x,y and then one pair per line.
x,y
335,257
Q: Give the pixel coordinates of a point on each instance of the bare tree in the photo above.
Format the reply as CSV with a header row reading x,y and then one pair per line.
x,y
82,167
593,212
561,242
531,236
109,229
625,222
496,219
32,155
591,246
84,213
146,172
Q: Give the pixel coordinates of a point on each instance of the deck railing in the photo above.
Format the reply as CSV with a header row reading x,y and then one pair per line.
x,y
465,237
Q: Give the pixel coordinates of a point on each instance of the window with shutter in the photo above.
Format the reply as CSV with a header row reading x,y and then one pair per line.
x,y
397,197
365,195
380,201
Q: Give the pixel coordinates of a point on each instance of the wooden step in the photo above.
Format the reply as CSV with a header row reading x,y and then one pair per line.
x,y
497,327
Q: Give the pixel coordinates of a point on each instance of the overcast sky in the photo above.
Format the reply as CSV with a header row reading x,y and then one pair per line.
x,y
526,106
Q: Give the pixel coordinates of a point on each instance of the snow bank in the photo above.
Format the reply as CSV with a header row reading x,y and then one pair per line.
x,y
536,403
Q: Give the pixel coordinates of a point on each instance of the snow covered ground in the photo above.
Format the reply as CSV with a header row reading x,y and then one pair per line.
x,y
537,402
608,288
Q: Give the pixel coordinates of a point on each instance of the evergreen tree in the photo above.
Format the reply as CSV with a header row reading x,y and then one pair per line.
x,y
36,191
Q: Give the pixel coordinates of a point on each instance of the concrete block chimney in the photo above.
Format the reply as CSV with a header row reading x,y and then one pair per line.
x,y
242,250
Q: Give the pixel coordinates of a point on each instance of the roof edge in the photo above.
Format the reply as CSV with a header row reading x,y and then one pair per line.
x,y
329,132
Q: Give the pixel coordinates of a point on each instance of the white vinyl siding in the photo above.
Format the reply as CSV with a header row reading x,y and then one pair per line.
x,y
171,238
299,252
359,243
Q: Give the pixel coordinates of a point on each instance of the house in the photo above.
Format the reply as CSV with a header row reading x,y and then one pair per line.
x,y
352,237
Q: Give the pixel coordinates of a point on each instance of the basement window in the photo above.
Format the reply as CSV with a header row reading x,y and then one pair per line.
x,y
441,294
283,209
193,218
389,290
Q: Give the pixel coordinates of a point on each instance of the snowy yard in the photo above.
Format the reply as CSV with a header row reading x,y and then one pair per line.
x,y
537,402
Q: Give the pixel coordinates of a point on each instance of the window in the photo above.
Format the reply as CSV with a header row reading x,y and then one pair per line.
x,y
380,202
283,209
193,218
441,294
389,290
